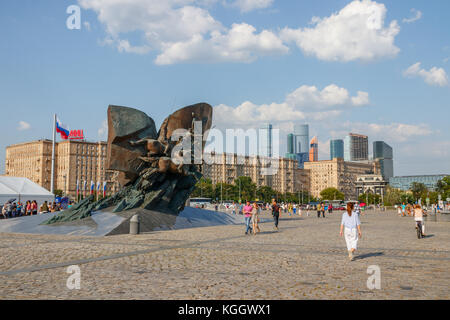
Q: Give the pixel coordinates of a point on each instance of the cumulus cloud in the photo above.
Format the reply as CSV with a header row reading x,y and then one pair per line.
x,y
182,31
416,16
306,102
23,126
185,31
395,132
435,76
239,44
250,5
357,32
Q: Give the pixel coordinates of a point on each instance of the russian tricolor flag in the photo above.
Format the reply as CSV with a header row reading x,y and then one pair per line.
x,y
62,129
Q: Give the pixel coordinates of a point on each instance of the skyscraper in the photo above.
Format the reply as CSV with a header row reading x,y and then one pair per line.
x,y
301,144
291,147
336,149
314,150
383,153
290,143
356,147
267,143
301,138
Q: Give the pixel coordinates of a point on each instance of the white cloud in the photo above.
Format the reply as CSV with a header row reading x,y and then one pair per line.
x,y
239,44
417,16
103,130
395,132
357,32
181,31
23,126
306,102
435,76
250,5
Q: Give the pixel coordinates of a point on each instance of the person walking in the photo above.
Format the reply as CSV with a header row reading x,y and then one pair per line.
x,y
275,213
248,215
319,210
255,219
351,229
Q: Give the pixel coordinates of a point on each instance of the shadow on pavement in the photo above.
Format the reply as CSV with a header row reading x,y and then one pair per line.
x,y
369,255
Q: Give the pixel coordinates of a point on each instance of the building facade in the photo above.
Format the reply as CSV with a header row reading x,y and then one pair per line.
x,y
282,174
336,149
356,147
404,183
338,174
75,162
383,153
372,183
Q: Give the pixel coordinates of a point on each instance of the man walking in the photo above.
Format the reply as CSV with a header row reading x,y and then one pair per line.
x,y
275,212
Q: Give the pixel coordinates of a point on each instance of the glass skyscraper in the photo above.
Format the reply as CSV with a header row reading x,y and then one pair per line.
x,y
356,147
267,143
383,153
301,143
336,149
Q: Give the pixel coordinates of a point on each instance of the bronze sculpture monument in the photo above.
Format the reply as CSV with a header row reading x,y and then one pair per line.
x,y
156,169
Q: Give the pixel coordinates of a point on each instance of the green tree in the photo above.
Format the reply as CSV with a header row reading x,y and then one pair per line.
x,y
418,189
332,194
58,193
247,188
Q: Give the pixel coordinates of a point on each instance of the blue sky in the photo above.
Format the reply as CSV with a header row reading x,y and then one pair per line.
x,y
372,67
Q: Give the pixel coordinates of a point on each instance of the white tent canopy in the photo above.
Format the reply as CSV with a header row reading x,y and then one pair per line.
x,y
22,189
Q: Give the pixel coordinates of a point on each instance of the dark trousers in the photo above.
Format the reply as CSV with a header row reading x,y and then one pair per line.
x,y
275,219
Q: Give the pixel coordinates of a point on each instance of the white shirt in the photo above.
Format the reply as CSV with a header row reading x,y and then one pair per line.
x,y
350,222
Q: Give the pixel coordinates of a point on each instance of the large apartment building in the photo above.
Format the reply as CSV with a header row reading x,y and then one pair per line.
x,y
338,174
74,161
281,174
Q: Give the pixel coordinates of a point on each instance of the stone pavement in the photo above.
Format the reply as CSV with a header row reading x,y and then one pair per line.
x,y
306,259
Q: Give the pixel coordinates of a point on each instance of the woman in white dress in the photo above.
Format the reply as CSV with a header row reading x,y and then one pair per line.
x,y
351,229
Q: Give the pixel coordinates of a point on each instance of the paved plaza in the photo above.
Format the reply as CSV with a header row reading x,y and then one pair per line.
x,y
306,259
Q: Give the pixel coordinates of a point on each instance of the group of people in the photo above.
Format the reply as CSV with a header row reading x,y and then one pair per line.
x,y
324,207
30,208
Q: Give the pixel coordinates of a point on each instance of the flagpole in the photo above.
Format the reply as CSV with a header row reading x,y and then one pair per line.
x,y
52,179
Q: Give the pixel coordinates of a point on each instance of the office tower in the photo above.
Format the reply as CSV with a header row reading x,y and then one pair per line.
x,y
290,143
301,144
301,138
383,153
314,150
336,149
291,147
356,147
267,143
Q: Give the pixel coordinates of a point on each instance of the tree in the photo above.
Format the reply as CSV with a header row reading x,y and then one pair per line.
x,y
370,198
58,193
418,189
332,194
247,187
